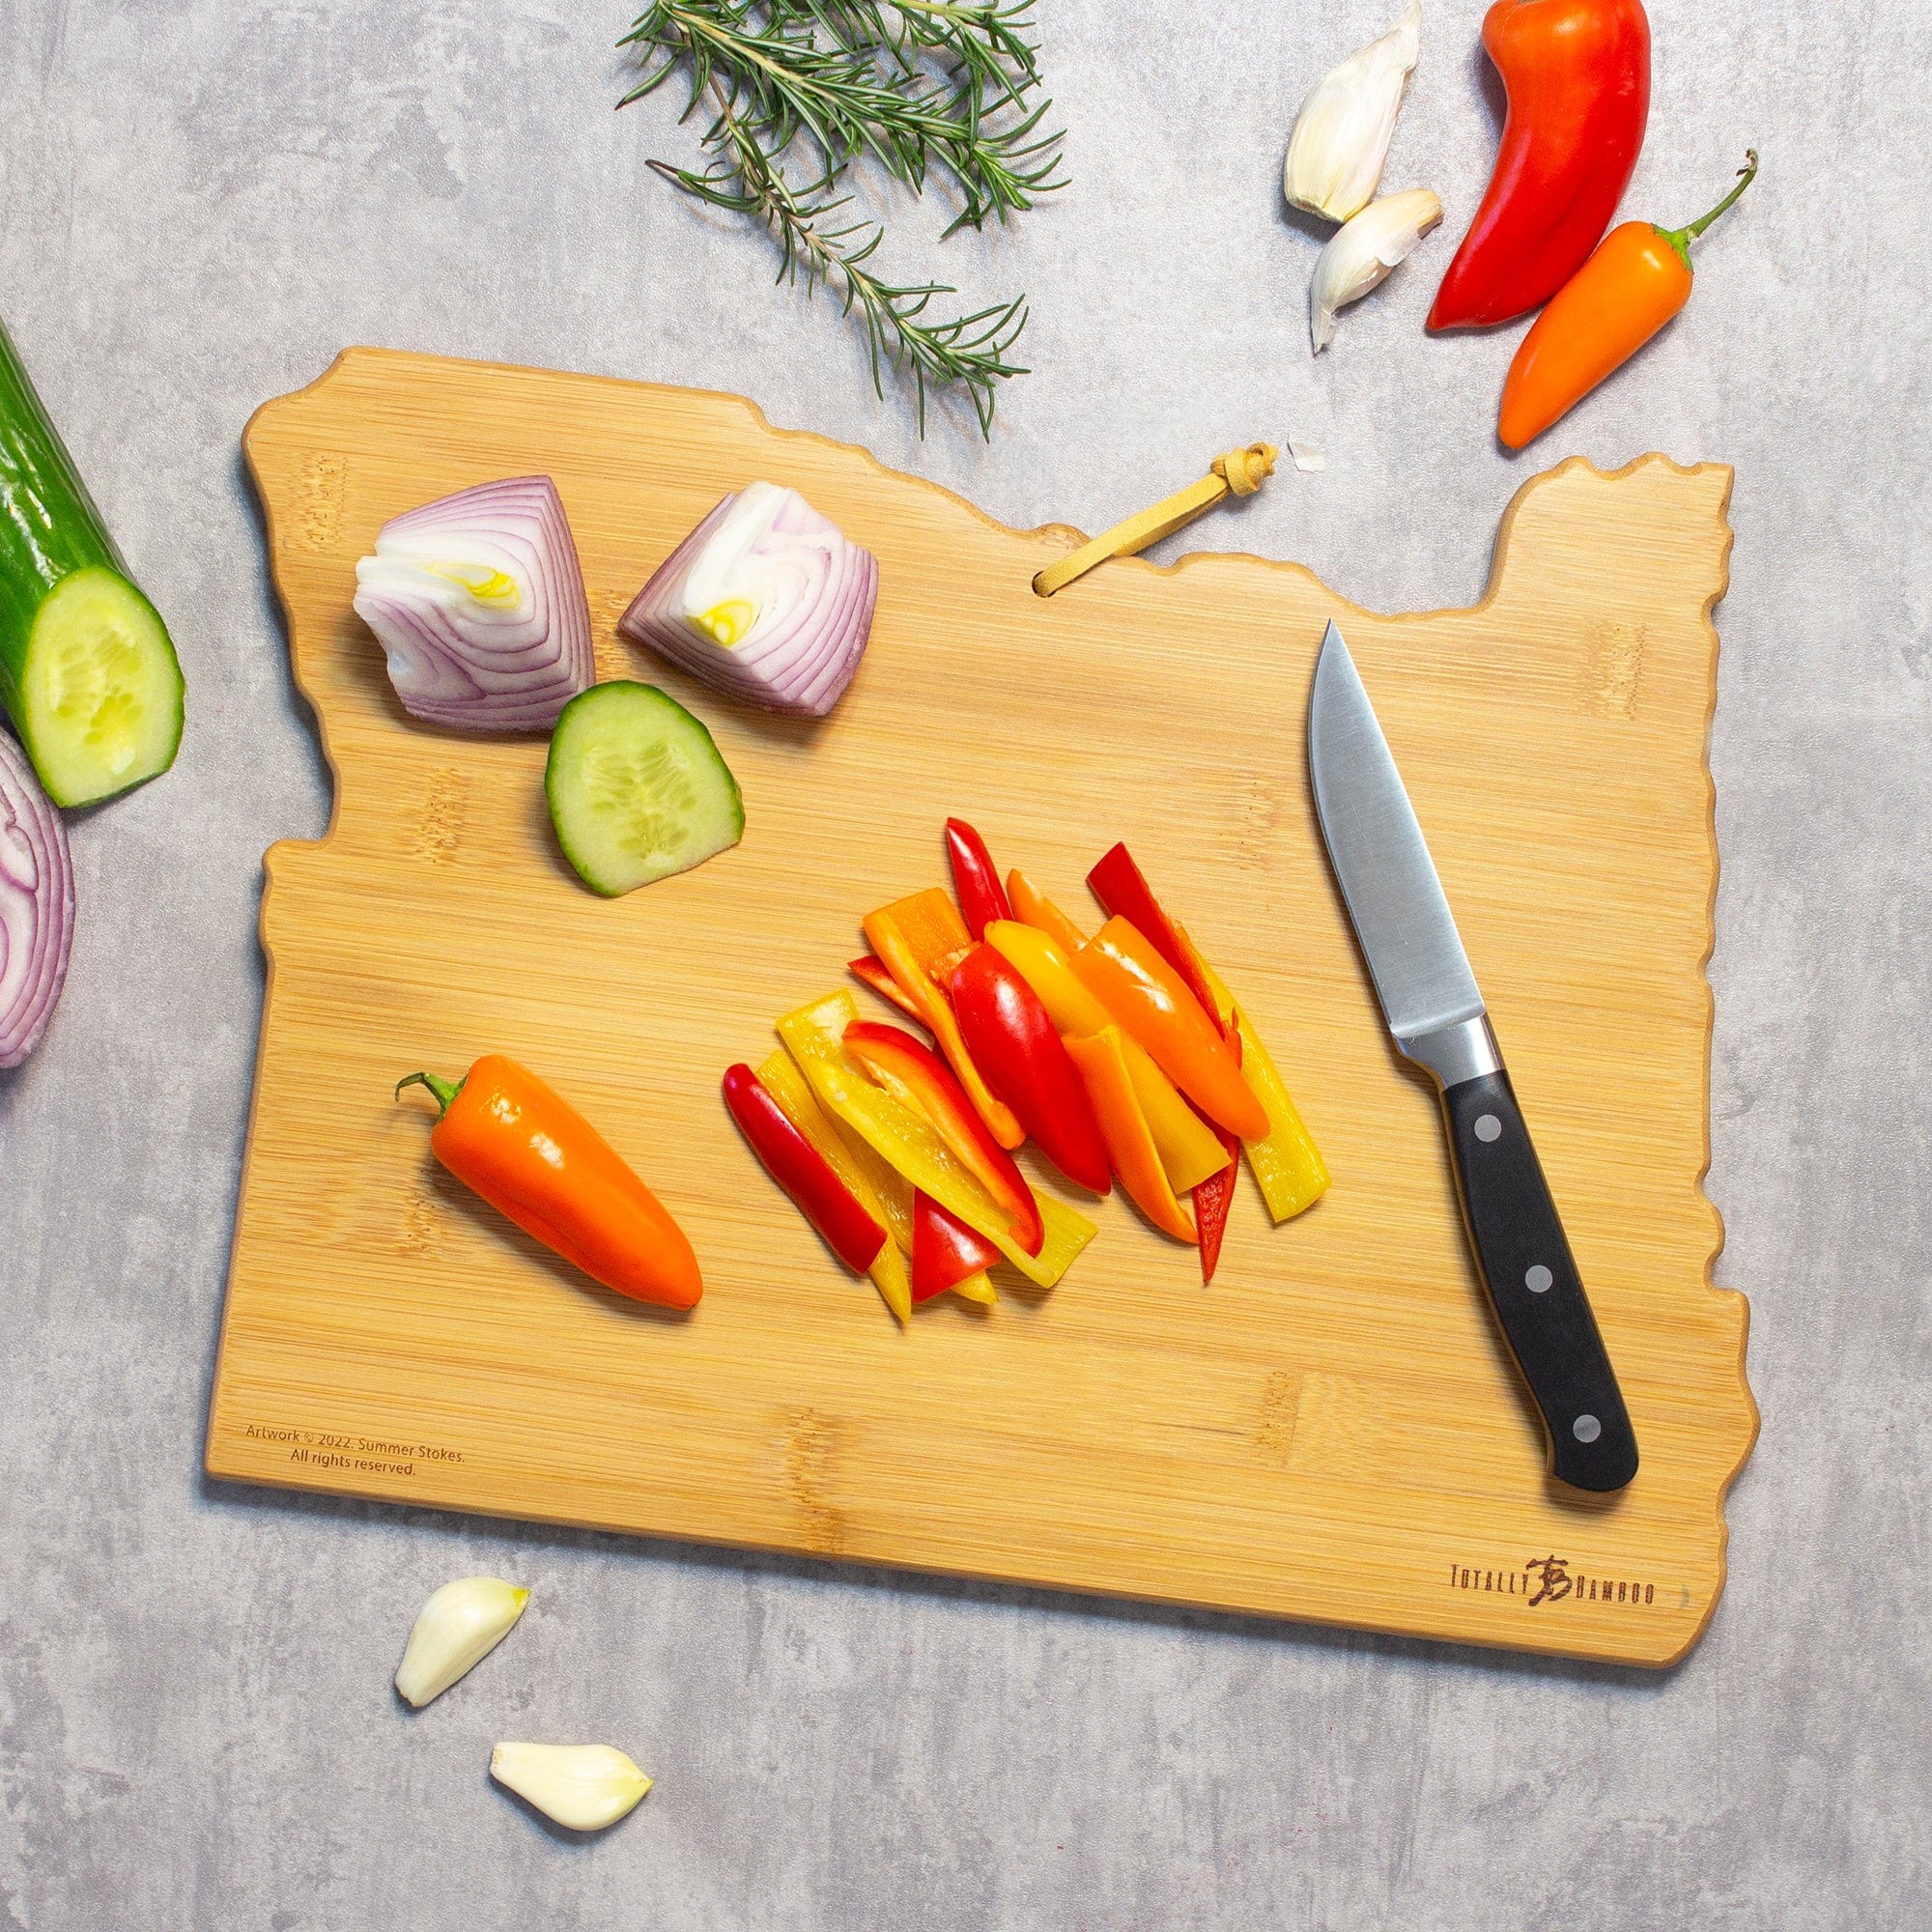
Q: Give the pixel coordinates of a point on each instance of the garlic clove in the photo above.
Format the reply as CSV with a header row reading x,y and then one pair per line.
x,y
1360,254
584,1786
454,1632
1341,139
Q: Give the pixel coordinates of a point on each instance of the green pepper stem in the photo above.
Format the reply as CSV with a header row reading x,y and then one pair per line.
x,y
445,1091
1681,239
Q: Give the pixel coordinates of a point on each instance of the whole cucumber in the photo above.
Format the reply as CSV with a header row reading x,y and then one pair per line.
x,y
87,674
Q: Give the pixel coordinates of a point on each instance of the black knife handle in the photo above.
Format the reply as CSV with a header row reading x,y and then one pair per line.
x,y
1533,1282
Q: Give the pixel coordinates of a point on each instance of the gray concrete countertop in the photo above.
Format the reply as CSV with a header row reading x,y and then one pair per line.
x,y
203,201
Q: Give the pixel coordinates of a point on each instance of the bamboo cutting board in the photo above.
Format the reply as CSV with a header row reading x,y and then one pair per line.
x,y
1333,1429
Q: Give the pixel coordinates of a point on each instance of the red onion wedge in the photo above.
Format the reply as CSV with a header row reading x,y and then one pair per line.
x,y
478,601
36,905
765,600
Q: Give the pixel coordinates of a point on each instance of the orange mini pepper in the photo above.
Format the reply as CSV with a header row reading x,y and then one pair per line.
x,y
1103,1066
1635,282
1121,968
529,1153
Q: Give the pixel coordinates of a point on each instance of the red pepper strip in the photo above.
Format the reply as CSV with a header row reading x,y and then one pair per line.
x,y
1013,1040
1150,999
1577,74
529,1153
976,881
1032,907
1123,893
945,1250
916,1075
912,937
1215,1195
872,970
803,1171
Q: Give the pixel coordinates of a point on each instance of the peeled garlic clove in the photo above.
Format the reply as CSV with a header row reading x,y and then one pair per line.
x,y
1361,252
1341,136
455,1631
585,1786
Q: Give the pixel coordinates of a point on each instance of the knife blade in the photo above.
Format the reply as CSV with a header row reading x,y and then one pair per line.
x,y
1435,1011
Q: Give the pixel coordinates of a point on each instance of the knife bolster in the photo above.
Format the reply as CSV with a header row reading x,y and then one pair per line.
x,y
1454,1054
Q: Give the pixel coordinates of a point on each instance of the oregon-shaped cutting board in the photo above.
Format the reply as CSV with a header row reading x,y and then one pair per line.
x,y
1333,1429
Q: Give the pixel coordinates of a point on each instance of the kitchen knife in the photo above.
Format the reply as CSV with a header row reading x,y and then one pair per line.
x,y
1429,999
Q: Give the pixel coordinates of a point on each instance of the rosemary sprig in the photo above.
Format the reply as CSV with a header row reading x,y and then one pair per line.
x,y
917,85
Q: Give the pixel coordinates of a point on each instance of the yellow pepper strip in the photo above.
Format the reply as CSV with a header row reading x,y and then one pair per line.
x,y
1032,907
977,1288
1130,1147
816,1034
904,936
1287,1165
1189,1152
789,1087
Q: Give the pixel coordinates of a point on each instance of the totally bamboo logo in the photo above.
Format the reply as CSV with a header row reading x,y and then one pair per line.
x,y
1551,1579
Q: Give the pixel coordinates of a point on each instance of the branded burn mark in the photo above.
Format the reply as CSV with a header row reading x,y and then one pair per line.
x,y
1551,1580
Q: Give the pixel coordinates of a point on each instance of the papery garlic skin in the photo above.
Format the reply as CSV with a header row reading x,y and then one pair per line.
x,y
584,1786
454,1632
1361,252
1341,136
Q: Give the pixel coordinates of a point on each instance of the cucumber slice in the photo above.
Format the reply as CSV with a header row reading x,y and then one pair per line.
x,y
637,789
100,692
87,672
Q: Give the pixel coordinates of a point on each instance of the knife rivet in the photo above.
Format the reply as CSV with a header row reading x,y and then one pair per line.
x,y
1538,1280
1489,1127
1586,1428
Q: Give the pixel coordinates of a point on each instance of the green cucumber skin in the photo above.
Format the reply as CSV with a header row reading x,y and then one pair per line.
x,y
49,527
554,777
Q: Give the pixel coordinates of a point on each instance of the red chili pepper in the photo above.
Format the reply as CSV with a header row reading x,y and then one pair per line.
x,y
976,881
528,1153
875,973
801,1170
1016,1044
1122,890
1577,74
945,1250
917,1075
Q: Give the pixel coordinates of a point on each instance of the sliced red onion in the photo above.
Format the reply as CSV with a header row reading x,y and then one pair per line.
x,y
36,905
765,600
478,601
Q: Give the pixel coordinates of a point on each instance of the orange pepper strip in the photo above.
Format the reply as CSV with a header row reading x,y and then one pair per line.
x,y
528,1153
911,936
1129,1145
1032,907
1121,968
1188,1150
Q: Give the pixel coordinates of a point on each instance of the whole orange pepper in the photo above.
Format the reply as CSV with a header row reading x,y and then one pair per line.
x,y
1121,968
1638,279
529,1153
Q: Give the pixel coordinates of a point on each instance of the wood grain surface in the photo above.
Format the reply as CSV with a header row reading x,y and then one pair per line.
x,y
1332,1431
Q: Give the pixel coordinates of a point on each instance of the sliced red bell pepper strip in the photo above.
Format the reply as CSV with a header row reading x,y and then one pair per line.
x,y
871,970
916,1075
803,1171
882,1191
1150,999
1103,1066
1122,890
976,881
1032,907
945,1250
914,937
1013,1041
1215,1195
